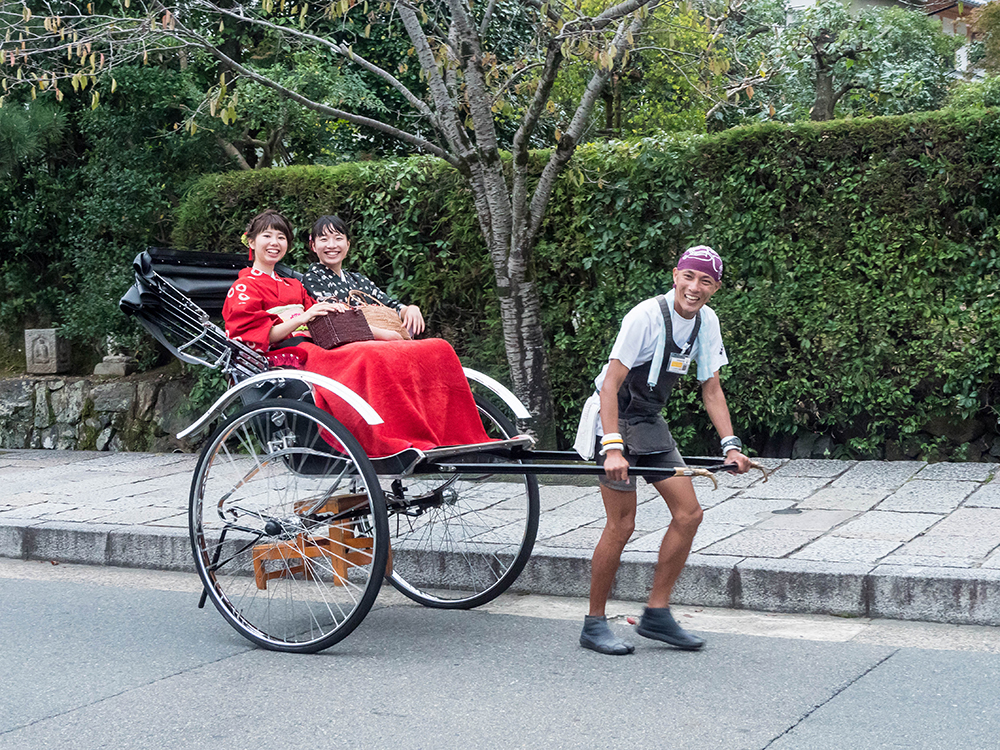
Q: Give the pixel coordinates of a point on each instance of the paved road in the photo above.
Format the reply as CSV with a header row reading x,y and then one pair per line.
x,y
101,657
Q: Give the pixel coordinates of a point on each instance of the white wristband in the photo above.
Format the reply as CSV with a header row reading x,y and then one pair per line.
x,y
611,437
616,446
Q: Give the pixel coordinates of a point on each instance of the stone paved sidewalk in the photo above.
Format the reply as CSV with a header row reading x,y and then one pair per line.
x,y
905,540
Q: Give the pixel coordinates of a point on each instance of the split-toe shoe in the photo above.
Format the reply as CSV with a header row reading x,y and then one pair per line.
x,y
598,636
657,623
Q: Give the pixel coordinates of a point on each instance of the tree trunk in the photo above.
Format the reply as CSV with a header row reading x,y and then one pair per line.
x,y
825,100
511,244
616,84
524,341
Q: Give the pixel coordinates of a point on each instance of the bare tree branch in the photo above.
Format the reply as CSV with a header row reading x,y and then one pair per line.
x,y
839,94
567,144
449,120
343,50
484,25
506,85
519,191
233,153
294,96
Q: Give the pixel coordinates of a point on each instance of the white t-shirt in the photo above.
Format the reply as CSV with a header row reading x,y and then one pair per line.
x,y
642,327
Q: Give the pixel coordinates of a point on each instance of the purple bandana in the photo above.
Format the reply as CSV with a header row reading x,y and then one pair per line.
x,y
702,258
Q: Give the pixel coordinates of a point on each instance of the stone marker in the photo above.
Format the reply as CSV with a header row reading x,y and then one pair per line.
x,y
115,365
45,352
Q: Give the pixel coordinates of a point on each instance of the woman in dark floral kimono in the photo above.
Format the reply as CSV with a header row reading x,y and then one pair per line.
x,y
327,279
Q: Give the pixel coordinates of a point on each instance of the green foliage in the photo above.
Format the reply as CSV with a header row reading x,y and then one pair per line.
x,y
207,385
987,24
26,133
35,188
908,67
658,86
862,263
880,61
86,190
135,168
982,93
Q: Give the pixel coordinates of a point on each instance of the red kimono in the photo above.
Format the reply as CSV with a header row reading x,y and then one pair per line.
x,y
254,305
417,387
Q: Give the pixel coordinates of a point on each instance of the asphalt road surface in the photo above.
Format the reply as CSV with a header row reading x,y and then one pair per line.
x,y
107,658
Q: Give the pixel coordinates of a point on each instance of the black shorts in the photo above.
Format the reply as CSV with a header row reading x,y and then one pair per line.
x,y
669,460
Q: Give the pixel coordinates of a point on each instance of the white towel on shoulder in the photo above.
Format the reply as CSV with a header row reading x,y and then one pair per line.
x,y
586,432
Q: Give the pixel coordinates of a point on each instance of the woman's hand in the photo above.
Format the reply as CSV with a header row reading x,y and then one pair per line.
x,y
413,320
323,308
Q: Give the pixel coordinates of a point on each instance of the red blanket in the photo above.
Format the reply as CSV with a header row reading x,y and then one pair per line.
x,y
417,387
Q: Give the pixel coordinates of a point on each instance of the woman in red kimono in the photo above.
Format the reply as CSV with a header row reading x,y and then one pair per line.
x,y
418,387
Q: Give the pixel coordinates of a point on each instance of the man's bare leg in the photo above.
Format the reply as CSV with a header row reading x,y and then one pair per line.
x,y
620,510
686,515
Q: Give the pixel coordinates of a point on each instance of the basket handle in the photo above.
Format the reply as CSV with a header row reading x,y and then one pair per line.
x,y
363,295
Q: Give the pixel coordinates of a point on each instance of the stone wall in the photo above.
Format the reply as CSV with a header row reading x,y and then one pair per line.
x,y
138,413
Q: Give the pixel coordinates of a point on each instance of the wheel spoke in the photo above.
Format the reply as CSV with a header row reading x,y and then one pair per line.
x,y
478,530
275,559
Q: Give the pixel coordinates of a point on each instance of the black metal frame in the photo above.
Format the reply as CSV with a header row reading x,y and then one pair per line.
x,y
171,317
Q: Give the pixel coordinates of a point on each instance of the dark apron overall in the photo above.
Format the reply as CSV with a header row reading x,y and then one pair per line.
x,y
640,418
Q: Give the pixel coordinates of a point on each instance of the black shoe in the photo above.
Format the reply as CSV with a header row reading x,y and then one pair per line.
x,y
597,636
657,623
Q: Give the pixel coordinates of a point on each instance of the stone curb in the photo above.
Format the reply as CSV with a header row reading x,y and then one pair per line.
x,y
949,595
97,544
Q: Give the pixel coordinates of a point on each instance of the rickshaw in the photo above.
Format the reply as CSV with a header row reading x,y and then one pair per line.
x,y
293,527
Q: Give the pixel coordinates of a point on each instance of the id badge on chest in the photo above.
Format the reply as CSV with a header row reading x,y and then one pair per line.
x,y
678,364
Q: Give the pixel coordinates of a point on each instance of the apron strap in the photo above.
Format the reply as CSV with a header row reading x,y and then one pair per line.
x,y
666,333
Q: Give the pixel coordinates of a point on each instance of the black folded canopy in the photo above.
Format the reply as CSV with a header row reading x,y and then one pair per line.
x,y
202,277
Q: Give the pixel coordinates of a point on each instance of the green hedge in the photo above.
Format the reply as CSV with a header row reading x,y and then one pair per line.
x,y
862,260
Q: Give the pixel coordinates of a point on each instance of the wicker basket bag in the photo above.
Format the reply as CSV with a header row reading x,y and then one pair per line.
x,y
334,329
377,314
